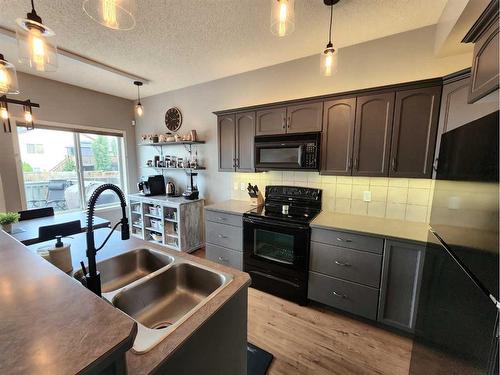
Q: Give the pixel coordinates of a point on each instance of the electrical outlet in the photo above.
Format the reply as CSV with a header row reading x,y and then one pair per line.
x,y
367,196
243,186
235,186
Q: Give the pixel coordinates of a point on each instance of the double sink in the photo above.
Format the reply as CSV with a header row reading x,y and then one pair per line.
x,y
157,290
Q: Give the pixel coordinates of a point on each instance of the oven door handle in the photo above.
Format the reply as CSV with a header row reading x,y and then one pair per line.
x,y
275,224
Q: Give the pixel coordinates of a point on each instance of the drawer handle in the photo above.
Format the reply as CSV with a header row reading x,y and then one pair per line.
x,y
342,264
222,218
340,295
342,240
221,235
222,259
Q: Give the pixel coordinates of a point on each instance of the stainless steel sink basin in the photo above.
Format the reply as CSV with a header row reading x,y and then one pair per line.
x,y
157,290
162,300
128,267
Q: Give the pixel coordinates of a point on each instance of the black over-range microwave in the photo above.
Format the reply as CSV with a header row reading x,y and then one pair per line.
x,y
287,152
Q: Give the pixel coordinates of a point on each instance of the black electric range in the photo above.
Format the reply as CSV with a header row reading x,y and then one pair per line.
x,y
276,241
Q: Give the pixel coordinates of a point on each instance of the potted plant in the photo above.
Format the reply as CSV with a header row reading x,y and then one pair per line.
x,y
7,219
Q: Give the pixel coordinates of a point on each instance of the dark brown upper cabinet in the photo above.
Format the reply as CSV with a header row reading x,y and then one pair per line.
x,y
300,118
372,134
338,136
303,118
271,121
414,132
226,133
245,133
484,35
236,142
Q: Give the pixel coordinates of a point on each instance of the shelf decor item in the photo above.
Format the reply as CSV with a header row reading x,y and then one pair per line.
x,y
7,219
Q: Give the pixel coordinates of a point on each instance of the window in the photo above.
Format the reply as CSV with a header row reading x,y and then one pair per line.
x,y
34,149
73,165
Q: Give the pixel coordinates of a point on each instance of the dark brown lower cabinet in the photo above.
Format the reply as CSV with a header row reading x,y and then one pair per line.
x,y
226,132
400,286
338,136
414,132
372,134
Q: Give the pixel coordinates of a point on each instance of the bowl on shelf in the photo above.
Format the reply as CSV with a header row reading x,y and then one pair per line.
x,y
157,237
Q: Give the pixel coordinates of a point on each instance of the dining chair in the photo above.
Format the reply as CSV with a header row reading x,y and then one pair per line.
x,y
49,232
36,213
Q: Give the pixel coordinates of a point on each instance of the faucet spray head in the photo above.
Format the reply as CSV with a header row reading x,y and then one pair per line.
x,y
125,229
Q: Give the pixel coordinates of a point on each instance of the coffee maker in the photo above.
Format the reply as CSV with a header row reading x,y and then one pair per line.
x,y
152,185
191,191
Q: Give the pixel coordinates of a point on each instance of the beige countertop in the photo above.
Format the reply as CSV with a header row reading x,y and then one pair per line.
x,y
231,206
136,363
390,228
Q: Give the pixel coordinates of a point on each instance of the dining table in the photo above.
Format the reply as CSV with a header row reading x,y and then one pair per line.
x,y
26,231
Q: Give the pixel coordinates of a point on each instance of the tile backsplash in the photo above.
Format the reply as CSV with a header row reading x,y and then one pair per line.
x,y
395,198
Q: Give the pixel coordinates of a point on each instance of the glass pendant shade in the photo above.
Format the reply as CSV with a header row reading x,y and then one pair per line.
x,y
115,14
8,78
329,61
36,46
4,112
282,17
139,109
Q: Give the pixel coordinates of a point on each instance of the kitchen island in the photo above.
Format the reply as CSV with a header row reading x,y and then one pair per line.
x,y
52,324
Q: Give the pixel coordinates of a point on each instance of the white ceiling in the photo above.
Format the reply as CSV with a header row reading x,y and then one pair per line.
x,y
178,43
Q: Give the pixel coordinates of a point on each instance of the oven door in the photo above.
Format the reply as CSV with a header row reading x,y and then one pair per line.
x,y
276,245
279,155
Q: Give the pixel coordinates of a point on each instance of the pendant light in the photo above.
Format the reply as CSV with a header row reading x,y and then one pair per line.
x,y
328,60
114,14
282,17
139,110
35,45
8,77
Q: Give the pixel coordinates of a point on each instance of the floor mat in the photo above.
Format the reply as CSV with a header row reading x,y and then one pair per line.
x,y
258,360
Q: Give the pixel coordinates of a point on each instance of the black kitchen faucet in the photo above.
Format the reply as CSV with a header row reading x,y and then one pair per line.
x,y
93,277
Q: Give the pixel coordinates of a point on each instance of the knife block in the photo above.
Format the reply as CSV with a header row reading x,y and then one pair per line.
x,y
257,201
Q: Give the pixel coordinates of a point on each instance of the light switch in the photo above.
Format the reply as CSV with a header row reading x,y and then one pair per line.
x,y
243,186
367,196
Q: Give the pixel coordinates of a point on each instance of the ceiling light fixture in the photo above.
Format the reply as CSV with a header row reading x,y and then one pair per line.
x,y
282,17
35,47
27,111
138,107
8,77
114,14
328,60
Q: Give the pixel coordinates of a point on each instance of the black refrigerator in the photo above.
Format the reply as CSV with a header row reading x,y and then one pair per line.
x,y
456,330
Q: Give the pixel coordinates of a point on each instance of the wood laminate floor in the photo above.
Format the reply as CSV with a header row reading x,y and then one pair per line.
x,y
315,340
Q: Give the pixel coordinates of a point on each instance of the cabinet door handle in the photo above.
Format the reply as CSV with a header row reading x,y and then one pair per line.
x,y
283,122
222,259
394,164
349,163
221,235
237,162
342,264
356,162
288,122
340,295
342,240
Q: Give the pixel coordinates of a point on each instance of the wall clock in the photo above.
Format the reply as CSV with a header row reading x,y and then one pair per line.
x,y
173,119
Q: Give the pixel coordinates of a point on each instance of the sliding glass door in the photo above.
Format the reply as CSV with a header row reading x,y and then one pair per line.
x,y
62,169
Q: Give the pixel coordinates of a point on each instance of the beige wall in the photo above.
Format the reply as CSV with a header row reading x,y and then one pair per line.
x,y
66,104
399,58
